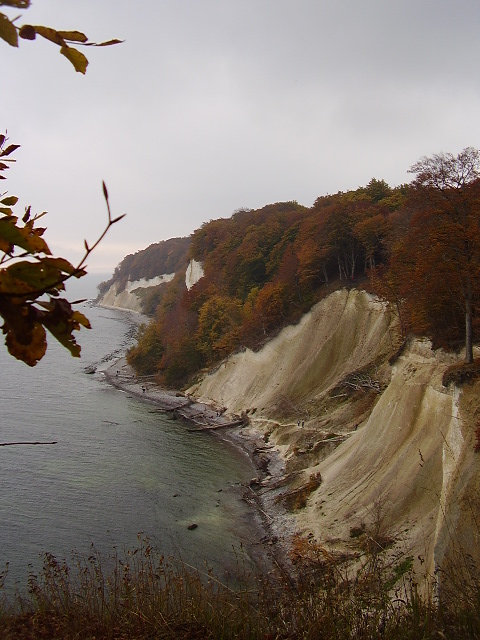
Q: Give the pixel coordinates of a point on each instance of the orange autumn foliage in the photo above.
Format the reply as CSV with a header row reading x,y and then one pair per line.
x,y
263,269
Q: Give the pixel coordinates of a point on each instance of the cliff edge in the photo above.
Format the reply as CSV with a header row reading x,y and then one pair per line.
x,y
370,449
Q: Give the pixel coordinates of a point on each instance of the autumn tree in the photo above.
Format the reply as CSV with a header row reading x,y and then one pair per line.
x,y
432,276
271,305
341,238
219,322
145,356
377,190
447,192
32,281
370,231
314,252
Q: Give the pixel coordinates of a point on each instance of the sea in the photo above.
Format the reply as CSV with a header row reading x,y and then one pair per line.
x,y
109,468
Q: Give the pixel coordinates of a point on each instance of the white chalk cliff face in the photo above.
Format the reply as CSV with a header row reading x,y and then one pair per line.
x,y
406,454
194,273
129,298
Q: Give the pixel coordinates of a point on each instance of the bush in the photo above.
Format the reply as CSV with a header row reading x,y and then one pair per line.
x,y
461,373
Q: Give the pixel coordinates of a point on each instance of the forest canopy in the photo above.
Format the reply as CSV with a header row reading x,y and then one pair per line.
x,y
414,245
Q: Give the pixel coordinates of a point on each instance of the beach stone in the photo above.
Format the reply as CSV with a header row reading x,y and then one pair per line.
x,y
192,526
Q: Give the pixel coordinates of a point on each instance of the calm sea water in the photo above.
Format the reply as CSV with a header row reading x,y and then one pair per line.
x,y
119,466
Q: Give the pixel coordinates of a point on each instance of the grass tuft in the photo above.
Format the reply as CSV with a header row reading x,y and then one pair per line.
x,y
143,596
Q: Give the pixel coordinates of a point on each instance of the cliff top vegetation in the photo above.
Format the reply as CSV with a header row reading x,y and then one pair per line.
x,y
415,245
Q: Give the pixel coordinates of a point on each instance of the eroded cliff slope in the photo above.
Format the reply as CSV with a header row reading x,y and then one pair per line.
x,y
393,447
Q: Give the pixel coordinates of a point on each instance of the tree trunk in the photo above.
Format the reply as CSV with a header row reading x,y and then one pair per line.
x,y
340,267
297,286
353,263
468,326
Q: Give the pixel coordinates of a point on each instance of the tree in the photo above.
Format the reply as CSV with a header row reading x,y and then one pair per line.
x,y
344,243
447,174
370,232
271,305
377,190
219,321
447,190
31,279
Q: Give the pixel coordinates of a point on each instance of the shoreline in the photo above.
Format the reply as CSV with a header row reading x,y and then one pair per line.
x,y
274,531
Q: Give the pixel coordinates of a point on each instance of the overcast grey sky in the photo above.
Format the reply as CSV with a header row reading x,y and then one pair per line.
x,y
213,105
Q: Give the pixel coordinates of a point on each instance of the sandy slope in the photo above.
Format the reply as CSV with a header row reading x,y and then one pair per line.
x,y
401,460
342,333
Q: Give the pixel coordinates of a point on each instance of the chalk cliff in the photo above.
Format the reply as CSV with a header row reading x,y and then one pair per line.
x,y
393,446
131,296
141,278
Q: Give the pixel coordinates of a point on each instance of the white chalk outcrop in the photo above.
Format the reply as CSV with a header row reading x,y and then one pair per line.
x,y
194,273
130,297
407,462
143,283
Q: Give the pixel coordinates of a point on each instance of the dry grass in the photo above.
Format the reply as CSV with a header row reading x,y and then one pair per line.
x,y
145,597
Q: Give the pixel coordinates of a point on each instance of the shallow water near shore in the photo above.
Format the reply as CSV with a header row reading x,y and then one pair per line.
x,y
118,466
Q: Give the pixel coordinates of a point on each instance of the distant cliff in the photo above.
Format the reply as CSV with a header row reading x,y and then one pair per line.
x,y
139,281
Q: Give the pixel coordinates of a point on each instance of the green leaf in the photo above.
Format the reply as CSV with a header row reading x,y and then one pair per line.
x,y
77,58
25,238
60,264
8,31
25,277
6,232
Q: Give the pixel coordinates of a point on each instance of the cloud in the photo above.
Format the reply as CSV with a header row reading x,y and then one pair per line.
x,y
209,106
